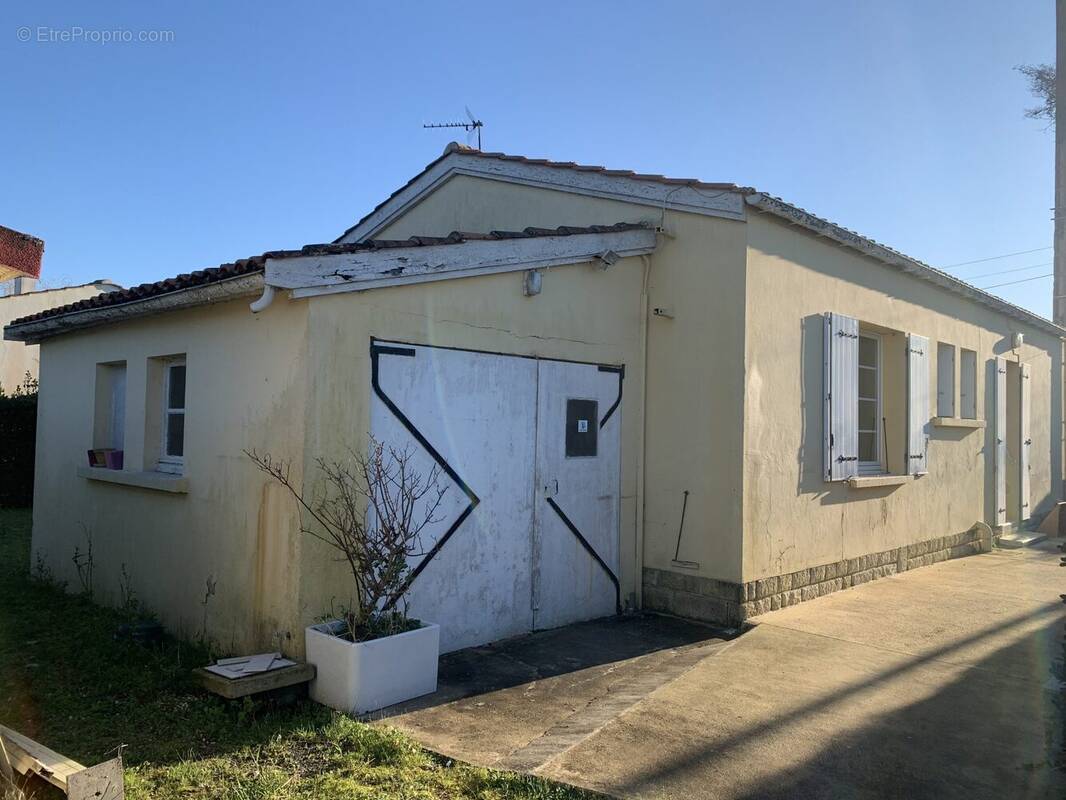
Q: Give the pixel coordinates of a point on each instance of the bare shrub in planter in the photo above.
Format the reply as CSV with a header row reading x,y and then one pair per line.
x,y
372,509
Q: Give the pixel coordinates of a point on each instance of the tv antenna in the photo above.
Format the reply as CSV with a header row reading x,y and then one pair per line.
x,y
471,126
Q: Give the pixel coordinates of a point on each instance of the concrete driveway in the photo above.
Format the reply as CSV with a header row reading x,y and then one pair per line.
x,y
934,683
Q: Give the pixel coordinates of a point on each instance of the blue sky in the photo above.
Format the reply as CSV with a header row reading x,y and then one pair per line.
x,y
269,125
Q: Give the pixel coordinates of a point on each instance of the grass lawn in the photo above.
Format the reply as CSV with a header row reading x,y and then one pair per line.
x,y
66,682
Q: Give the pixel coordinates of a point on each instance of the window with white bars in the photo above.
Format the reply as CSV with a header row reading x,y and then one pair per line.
x,y
172,449
869,404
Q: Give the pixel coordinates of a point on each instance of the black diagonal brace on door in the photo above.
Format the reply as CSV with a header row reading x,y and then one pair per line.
x,y
592,552
376,351
618,400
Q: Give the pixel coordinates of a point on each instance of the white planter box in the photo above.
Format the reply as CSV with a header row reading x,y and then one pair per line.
x,y
357,677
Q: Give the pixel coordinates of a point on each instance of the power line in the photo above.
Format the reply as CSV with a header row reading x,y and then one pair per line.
x,y
995,258
1023,280
1006,271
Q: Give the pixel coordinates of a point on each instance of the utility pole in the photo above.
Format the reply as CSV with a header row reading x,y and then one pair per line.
x,y
1059,300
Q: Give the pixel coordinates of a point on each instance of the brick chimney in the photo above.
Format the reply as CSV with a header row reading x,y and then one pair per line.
x,y
20,258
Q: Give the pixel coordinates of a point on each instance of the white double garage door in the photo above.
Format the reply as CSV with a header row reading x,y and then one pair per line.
x,y
528,449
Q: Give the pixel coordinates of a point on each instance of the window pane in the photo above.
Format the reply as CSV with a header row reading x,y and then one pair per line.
x,y
177,387
867,447
867,383
867,351
867,415
175,434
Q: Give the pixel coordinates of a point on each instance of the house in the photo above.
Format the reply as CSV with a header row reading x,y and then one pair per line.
x,y
643,392
20,267
18,359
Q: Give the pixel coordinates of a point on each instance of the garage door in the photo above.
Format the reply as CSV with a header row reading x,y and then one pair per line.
x,y
527,537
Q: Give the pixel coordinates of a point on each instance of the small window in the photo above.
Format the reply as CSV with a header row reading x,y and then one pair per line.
x,y
172,452
945,380
968,384
869,410
109,423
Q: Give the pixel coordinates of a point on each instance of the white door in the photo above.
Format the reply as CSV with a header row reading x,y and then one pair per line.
x,y
1001,441
503,560
575,542
1026,443
473,415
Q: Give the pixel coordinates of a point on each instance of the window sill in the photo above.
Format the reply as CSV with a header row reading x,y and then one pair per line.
x,y
957,422
876,481
158,481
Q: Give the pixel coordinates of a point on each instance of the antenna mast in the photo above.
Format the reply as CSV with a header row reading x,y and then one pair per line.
x,y
473,125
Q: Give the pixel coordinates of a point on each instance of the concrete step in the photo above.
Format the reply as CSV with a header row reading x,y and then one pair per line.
x,y
1016,539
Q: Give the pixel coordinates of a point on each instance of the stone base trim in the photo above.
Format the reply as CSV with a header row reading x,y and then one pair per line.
x,y
729,603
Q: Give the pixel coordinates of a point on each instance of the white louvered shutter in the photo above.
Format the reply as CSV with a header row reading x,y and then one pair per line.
x,y
841,380
1001,441
1027,442
917,403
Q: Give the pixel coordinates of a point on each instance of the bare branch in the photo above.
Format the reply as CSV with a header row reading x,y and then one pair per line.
x,y
1041,79
373,509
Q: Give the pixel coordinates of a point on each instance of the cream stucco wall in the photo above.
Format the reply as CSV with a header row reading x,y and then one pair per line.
x,y
794,519
694,432
247,384
488,313
733,388
16,358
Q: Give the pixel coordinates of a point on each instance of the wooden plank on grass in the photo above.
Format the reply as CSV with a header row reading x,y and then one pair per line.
x,y
232,688
29,757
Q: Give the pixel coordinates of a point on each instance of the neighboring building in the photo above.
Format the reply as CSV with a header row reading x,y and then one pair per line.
x,y
693,397
20,268
17,359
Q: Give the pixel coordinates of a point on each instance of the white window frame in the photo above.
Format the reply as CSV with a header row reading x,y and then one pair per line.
x,y
875,467
169,463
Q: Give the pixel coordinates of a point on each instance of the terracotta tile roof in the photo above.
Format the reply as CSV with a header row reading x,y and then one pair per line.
x,y
455,147
20,254
256,264
771,204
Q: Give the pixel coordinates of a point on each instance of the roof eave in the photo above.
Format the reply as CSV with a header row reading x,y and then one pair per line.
x,y
886,255
720,200
35,331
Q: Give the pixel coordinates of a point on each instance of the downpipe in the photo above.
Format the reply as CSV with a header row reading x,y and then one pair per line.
x,y
264,301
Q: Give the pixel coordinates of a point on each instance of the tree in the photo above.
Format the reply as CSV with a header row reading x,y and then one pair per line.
x,y
1041,79
372,510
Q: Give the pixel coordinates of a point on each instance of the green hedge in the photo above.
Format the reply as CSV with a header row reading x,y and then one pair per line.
x,y
18,439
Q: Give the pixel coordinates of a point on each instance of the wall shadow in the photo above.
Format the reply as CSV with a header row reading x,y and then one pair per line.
x,y
994,732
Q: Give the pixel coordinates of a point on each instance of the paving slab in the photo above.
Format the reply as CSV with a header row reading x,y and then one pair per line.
x,y
518,703
937,683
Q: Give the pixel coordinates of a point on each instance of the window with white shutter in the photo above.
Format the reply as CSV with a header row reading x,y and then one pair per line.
x,y
945,379
841,382
968,384
918,403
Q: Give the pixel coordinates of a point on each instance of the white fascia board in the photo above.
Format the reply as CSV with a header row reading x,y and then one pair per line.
x,y
726,203
217,292
886,255
307,276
